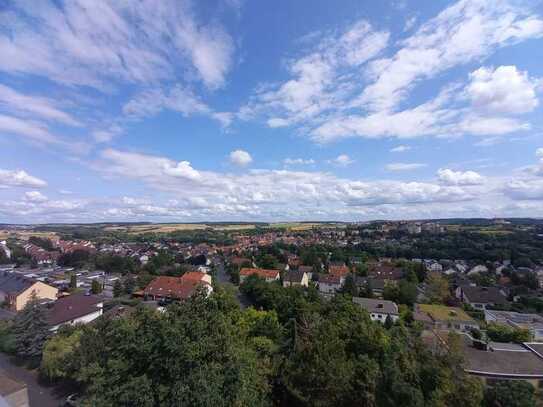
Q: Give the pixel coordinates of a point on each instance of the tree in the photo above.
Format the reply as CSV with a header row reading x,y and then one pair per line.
x,y
129,285
58,361
503,333
117,288
510,393
73,282
31,329
192,354
437,288
349,286
407,293
96,287
389,323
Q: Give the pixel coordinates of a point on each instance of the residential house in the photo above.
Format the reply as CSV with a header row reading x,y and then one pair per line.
x,y
266,274
379,310
531,322
481,297
75,309
340,270
441,317
385,271
377,285
329,284
295,278
16,290
178,288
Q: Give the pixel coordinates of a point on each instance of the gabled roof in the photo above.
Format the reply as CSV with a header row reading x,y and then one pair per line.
x,y
264,273
176,287
380,306
295,276
73,306
484,295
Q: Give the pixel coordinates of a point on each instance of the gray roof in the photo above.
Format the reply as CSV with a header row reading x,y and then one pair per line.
x,y
295,276
381,306
484,295
504,360
14,283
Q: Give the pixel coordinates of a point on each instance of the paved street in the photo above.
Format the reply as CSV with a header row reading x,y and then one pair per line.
x,y
224,279
38,394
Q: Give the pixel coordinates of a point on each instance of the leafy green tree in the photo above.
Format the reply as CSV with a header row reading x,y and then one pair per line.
x,y
349,286
437,288
129,285
96,286
193,354
407,293
117,288
58,361
31,329
510,393
503,333
73,282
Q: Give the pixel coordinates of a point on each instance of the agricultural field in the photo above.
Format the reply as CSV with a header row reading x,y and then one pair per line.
x,y
25,234
168,228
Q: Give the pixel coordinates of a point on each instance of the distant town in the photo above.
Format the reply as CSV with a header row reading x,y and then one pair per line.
x,y
470,288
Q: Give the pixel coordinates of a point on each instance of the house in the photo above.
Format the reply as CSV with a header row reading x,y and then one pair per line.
x,y
494,362
379,310
385,271
75,309
377,285
329,284
16,290
338,270
531,322
178,288
480,297
441,317
266,274
295,278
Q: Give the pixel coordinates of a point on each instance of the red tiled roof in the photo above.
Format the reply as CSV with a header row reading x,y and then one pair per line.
x,y
264,273
173,287
338,270
194,276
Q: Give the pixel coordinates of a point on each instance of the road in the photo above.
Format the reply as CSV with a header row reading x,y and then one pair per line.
x,y
38,394
224,279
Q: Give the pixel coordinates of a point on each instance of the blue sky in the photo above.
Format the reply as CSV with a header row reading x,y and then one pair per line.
x,y
249,110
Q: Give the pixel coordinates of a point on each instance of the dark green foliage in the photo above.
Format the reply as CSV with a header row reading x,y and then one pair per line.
x,y
96,286
31,329
117,288
510,393
111,263
502,333
7,338
73,281
77,258
191,355
129,285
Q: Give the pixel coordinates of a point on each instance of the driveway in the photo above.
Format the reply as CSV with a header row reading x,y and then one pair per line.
x,y
39,395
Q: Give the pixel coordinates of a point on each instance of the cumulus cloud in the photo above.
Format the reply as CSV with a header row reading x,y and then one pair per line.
x,y
450,177
539,152
404,166
20,178
240,158
462,32
182,169
502,90
343,160
35,196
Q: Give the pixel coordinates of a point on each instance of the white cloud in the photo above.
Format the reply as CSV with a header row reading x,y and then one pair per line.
x,y
503,90
539,152
139,42
44,108
342,160
183,169
20,178
465,31
404,166
450,177
400,149
240,158
298,161
319,79
35,196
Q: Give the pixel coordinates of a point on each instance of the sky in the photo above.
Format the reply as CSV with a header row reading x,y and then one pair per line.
x,y
239,110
